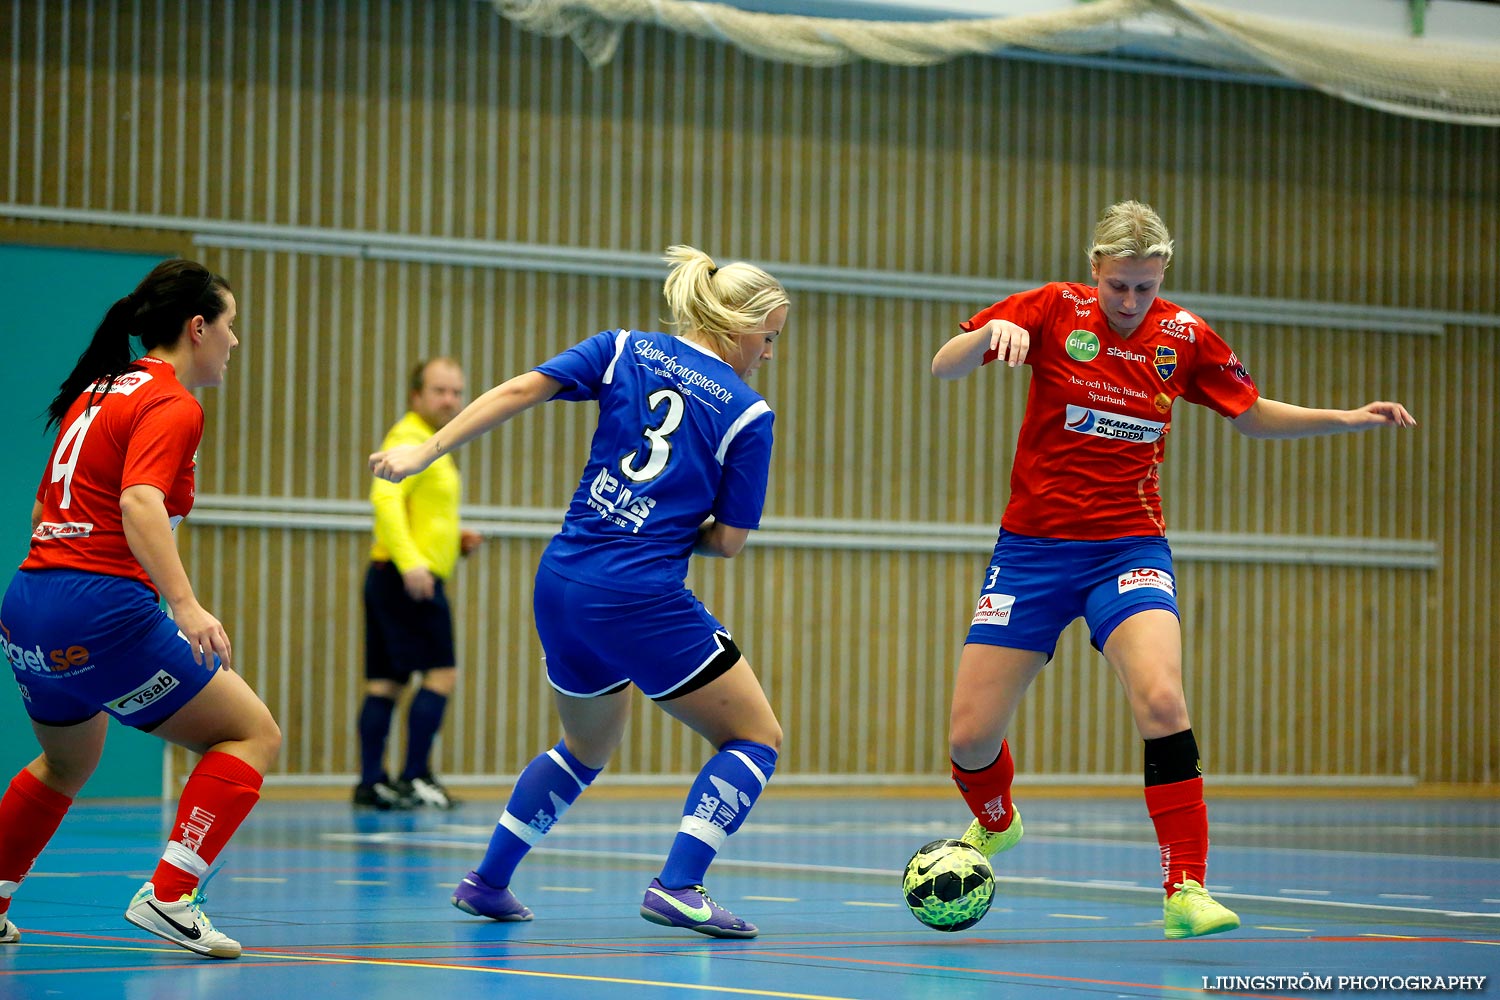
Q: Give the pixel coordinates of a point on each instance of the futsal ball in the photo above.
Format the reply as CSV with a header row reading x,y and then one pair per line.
x,y
948,885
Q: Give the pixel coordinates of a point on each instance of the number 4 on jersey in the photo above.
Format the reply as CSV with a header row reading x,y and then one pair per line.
x,y
65,459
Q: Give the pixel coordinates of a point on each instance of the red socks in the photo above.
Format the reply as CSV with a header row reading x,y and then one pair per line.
x,y
987,790
29,815
1181,821
218,796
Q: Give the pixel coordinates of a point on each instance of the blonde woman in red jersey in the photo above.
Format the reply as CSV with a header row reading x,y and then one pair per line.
x,y
81,620
1083,534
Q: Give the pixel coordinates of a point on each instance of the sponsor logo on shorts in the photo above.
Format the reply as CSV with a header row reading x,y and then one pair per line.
x,y
1103,423
1157,579
147,694
993,609
1082,345
66,659
58,661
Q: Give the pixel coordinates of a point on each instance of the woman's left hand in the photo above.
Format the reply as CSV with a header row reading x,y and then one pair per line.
x,y
1381,412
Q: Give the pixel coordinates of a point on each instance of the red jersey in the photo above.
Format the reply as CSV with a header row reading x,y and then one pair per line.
x,y
1100,407
143,431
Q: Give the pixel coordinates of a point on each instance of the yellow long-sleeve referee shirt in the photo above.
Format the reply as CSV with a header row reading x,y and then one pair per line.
x,y
416,520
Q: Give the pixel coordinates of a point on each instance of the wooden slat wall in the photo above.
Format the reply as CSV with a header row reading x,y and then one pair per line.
x,y
438,118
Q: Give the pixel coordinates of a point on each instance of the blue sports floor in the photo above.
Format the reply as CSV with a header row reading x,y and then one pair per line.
x,y
330,903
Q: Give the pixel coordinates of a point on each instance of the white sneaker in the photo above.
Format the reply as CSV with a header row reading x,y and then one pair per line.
x,y
183,923
9,932
428,792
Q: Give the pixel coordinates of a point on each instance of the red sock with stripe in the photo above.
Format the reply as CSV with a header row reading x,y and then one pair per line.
x,y
1181,821
1174,798
30,814
218,796
987,790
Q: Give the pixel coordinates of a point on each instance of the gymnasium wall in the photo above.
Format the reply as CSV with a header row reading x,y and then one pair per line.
x,y
383,181
55,296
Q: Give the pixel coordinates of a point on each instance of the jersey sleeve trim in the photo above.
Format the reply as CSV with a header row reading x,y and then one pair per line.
x,y
609,373
756,409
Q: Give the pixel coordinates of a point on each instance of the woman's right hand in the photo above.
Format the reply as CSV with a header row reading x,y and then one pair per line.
x,y
1008,342
205,634
964,352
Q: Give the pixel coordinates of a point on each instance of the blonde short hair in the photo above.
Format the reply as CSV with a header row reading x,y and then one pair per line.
x,y
717,304
1131,229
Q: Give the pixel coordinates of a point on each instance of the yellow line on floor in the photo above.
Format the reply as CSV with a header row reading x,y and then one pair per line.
x,y
440,966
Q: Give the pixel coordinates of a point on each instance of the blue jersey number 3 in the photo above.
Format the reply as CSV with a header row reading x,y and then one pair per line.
x,y
656,437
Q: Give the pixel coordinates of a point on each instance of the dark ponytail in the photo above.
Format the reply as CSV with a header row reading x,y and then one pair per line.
x,y
174,292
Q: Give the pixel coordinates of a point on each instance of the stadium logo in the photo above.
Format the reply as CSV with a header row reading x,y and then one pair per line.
x,y
1083,345
1116,352
1166,362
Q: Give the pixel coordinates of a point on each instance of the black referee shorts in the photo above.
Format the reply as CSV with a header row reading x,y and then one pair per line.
x,y
403,636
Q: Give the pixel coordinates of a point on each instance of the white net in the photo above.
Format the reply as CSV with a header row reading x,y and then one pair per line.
x,y
1415,77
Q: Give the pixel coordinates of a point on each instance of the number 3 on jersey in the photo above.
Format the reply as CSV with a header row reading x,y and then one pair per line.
x,y
657,437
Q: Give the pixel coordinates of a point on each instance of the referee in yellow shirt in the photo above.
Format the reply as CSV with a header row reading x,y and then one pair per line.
x,y
408,624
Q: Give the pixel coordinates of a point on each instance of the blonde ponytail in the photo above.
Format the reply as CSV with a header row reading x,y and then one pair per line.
x,y
713,304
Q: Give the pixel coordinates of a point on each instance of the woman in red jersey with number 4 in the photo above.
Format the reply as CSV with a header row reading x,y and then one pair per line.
x,y
81,621
1083,534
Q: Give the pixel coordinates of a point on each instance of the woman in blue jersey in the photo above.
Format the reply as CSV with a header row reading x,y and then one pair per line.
x,y
677,466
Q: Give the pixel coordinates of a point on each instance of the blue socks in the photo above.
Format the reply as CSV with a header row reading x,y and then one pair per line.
x,y
423,719
718,803
551,782
374,726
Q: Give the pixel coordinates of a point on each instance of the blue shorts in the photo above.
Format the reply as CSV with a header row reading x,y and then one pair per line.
x,y
1034,587
403,636
598,641
81,642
